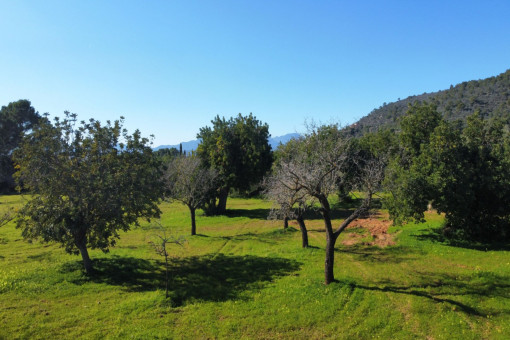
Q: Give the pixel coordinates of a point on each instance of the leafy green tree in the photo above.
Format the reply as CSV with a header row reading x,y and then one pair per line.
x,y
239,151
416,126
167,155
470,176
406,179
16,119
86,184
190,183
465,173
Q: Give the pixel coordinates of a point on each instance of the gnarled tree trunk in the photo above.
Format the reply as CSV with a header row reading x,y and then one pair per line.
x,y
81,244
330,240
304,232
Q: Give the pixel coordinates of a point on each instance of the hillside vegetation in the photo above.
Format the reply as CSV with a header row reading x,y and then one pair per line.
x,y
490,97
244,277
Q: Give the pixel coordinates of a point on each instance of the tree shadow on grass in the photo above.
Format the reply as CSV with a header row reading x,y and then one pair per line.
x,y
259,214
269,237
245,237
207,278
222,277
132,273
43,256
391,254
436,235
449,288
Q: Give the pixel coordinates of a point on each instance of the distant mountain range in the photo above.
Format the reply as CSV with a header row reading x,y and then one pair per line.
x,y
192,145
490,96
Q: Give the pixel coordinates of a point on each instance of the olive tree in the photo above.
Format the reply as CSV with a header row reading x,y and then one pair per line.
x,y
190,183
86,184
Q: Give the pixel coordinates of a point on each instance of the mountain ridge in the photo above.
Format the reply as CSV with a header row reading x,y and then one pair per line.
x,y
489,96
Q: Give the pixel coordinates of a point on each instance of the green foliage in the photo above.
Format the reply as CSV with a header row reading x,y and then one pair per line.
x,y
471,177
408,192
416,126
16,119
167,155
238,150
464,173
86,184
381,143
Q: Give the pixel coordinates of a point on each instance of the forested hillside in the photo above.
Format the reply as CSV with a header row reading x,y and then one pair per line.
x,y
491,97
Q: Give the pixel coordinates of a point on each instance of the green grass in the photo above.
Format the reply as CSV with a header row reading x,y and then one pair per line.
x,y
244,277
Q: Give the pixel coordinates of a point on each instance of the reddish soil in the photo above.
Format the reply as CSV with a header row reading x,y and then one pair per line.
x,y
377,229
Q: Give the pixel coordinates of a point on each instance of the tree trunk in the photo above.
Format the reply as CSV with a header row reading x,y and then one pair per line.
x,y
285,222
193,223
304,232
221,208
87,262
331,237
329,276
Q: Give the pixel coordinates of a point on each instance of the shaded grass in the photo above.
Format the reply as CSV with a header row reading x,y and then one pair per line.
x,y
436,235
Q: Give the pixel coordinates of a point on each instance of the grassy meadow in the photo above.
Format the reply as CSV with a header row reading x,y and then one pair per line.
x,y
243,276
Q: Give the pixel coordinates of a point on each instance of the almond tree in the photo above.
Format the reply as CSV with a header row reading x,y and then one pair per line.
x,y
290,202
190,183
324,158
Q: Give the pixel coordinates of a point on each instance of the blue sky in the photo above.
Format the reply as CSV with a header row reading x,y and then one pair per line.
x,y
170,66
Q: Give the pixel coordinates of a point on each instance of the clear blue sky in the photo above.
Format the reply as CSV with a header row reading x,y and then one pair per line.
x,y
170,66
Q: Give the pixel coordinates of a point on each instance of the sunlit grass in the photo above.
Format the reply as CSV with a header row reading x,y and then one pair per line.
x,y
243,276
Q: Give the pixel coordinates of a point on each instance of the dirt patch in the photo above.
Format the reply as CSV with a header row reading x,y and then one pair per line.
x,y
369,231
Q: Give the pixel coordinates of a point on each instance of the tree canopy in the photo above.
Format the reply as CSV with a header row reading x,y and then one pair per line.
x,y
238,150
16,119
463,172
86,184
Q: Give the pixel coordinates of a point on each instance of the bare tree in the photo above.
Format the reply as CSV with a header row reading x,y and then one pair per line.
x,y
319,162
160,244
290,202
190,183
